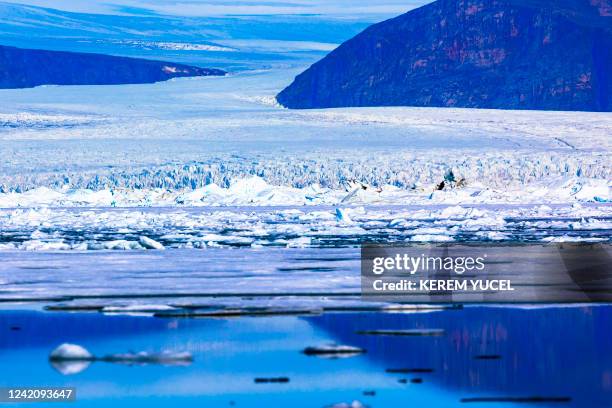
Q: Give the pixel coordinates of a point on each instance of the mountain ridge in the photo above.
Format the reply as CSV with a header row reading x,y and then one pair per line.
x,y
27,68
501,54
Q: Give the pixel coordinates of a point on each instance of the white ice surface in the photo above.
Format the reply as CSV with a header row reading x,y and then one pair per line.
x,y
255,191
60,229
199,141
67,351
194,147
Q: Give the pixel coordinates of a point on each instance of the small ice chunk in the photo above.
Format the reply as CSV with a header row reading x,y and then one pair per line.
x,y
164,358
137,309
150,243
453,212
122,244
397,222
69,351
37,245
492,235
431,238
299,242
568,238
70,359
332,350
342,216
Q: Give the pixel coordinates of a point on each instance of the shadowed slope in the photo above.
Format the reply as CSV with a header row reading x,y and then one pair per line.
x,y
25,68
507,54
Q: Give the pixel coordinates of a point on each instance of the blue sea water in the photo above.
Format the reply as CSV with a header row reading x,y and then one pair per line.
x,y
560,352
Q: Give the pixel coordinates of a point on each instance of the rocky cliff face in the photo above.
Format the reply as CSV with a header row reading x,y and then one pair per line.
x,y
507,54
24,68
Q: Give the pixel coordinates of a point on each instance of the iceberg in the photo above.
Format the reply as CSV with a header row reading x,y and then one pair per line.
x,y
149,243
71,358
69,351
342,216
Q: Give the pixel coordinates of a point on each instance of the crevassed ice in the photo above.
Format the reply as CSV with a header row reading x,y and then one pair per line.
x,y
254,191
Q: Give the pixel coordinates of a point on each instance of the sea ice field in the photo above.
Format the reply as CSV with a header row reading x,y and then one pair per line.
x,y
213,168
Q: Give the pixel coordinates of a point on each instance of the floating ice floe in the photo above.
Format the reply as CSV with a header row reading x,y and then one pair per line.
x,y
137,309
119,244
343,216
72,358
145,358
568,238
69,351
333,351
150,243
63,229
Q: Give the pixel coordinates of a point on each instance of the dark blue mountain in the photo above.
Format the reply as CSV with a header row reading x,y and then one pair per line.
x,y
25,68
506,54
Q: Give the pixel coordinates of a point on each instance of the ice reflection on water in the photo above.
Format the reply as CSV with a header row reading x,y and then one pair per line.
x,y
544,351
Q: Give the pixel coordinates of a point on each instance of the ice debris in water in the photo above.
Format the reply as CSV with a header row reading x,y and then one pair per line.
x,y
342,216
333,350
143,357
62,229
72,358
150,243
69,351
137,309
69,359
